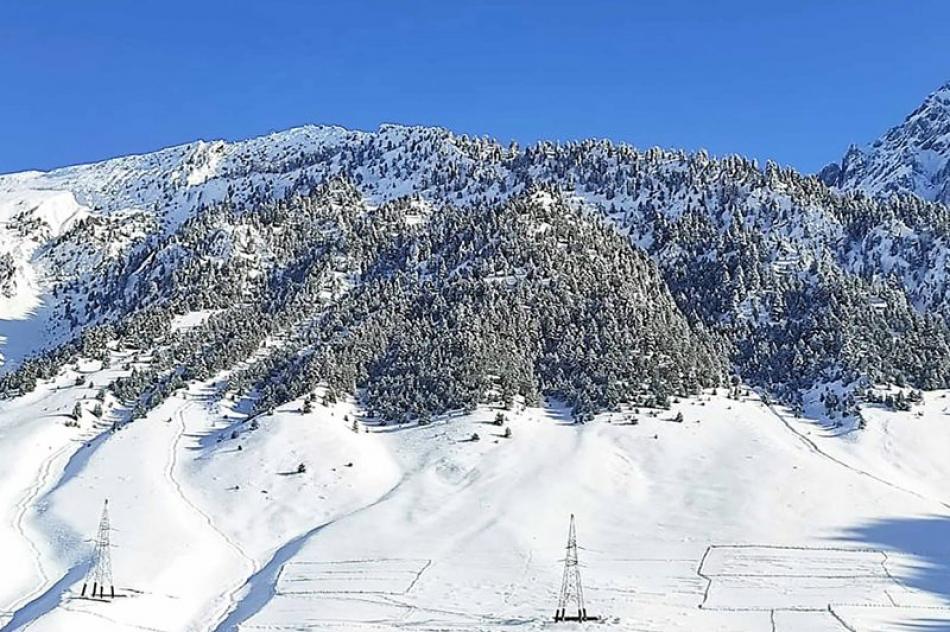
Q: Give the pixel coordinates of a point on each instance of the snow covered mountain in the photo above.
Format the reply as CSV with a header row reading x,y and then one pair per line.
x,y
913,157
775,277
328,380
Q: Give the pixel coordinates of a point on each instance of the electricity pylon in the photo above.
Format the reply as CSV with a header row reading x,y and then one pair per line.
x,y
101,574
571,589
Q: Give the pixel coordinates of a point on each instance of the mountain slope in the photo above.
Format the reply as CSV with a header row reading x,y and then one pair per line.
x,y
726,521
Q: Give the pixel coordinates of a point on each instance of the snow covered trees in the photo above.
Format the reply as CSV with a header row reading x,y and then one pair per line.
x,y
500,309
587,271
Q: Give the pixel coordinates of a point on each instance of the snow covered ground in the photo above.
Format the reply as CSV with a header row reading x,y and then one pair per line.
x,y
739,518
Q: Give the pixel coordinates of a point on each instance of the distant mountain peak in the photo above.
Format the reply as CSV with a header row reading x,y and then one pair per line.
x,y
913,157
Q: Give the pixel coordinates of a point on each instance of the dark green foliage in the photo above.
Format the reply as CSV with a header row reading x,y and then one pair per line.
x,y
528,298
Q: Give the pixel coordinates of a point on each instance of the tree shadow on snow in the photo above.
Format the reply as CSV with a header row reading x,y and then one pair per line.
x,y
929,625
927,539
559,412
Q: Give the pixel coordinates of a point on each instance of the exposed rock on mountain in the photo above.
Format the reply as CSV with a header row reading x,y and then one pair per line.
x,y
913,157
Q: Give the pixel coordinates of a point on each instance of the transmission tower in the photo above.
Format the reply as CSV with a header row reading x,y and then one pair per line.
x,y
571,590
101,573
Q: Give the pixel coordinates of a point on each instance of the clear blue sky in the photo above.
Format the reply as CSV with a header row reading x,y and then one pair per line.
x,y
796,80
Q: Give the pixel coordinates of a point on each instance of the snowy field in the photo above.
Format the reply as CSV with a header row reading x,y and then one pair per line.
x,y
739,518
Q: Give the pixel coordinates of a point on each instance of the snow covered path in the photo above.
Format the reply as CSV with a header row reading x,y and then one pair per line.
x,y
795,427
170,473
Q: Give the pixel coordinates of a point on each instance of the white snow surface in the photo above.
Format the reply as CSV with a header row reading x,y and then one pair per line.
x,y
739,518
28,219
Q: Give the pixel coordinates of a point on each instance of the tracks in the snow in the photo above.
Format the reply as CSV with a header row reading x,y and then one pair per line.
x,y
26,504
813,447
170,468
261,585
41,486
884,576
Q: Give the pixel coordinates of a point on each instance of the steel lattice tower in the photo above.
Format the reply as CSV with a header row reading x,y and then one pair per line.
x,y
101,574
571,589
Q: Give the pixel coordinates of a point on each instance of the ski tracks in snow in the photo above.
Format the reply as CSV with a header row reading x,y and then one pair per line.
x,y
231,597
23,508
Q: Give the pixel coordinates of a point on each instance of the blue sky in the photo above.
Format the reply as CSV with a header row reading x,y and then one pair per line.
x,y
796,81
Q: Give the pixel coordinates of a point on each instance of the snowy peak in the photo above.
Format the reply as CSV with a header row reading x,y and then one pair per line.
x,y
172,177
913,157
